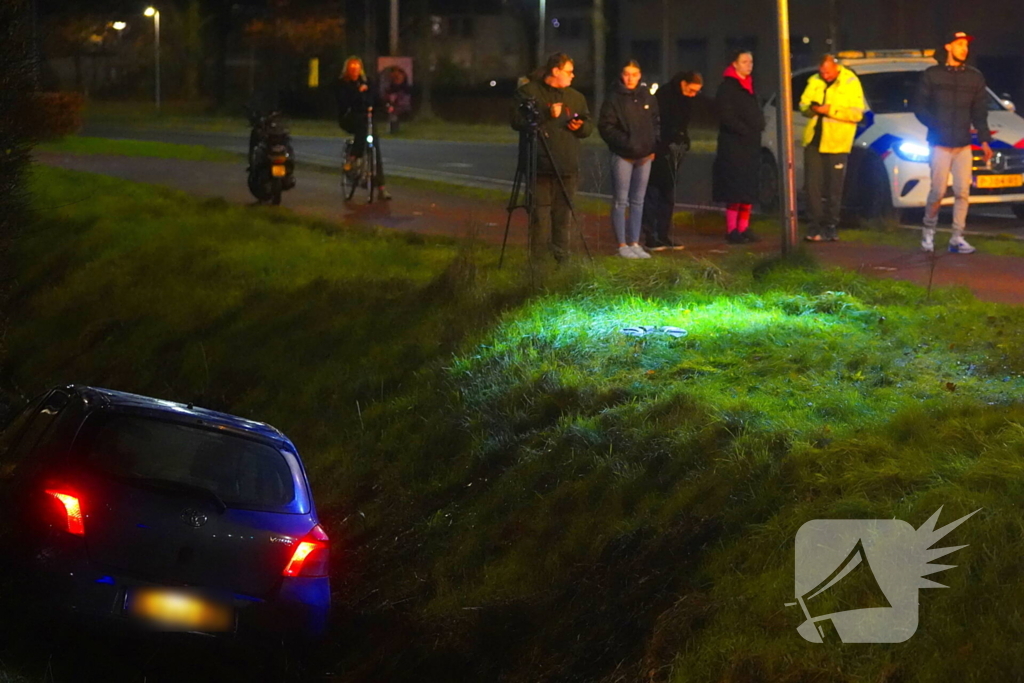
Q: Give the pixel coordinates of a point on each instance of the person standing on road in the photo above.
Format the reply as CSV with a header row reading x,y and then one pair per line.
x,y
834,101
950,98
675,103
736,167
355,98
563,119
629,126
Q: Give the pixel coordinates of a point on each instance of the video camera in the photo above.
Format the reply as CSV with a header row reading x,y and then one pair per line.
x,y
530,110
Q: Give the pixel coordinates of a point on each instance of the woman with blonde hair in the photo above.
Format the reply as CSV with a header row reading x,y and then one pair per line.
x,y
355,97
629,126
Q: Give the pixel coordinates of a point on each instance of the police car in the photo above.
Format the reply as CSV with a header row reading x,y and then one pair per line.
x,y
888,168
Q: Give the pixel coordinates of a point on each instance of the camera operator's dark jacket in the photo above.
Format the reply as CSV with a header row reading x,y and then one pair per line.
x,y
563,143
629,121
948,100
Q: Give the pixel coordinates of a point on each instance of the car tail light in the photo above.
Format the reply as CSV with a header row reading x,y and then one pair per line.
x,y
72,510
311,556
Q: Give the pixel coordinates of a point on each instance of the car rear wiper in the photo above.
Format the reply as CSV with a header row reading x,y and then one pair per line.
x,y
168,485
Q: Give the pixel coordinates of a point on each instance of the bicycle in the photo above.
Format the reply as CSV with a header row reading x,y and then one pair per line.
x,y
363,172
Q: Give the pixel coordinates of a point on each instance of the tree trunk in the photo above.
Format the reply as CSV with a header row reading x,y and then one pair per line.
x,y
424,59
193,51
600,31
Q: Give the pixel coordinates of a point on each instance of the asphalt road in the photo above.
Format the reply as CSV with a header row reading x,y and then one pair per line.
x,y
465,163
482,164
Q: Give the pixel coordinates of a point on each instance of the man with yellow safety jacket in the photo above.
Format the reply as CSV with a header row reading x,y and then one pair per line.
x,y
834,101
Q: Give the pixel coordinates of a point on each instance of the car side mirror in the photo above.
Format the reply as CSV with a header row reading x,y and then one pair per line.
x,y
1005,100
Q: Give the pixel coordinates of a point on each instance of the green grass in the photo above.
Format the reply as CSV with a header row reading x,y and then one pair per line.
x,y
76,144
519,491
893,235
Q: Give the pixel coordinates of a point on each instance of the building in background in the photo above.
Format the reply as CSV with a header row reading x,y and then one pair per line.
x,y
669,35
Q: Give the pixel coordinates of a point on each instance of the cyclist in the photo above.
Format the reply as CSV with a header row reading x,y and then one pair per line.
x,y
355,97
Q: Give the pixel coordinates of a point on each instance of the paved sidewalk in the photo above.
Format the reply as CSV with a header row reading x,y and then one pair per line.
x,y
991,278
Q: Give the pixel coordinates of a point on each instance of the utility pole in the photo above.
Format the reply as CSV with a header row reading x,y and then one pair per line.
x,y
784,110
833,27
666,38
542,27
393,33
599,52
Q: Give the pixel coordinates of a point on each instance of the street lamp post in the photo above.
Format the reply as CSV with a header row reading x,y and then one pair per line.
x,y
541,32
155,13
784,117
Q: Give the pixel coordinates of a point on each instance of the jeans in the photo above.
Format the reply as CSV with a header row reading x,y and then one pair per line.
x,y
943,161
551,212
660,201
825,174
629,182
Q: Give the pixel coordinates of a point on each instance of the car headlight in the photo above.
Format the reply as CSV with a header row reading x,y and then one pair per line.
x,y
912,151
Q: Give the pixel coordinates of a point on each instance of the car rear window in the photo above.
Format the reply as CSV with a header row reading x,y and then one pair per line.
x,y
242,472
892,92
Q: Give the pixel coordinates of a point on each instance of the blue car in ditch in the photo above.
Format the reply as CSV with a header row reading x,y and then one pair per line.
x,y
156,515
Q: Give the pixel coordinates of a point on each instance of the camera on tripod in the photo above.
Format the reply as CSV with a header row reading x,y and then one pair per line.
x,y
530,110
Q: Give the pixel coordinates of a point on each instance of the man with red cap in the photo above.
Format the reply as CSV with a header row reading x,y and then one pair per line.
x,y
951,98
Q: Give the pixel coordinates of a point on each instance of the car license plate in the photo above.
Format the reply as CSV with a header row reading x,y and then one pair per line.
x,y
176,610
277,171
989,182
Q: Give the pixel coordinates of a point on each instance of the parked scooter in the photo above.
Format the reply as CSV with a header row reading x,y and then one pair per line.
x,y
271,158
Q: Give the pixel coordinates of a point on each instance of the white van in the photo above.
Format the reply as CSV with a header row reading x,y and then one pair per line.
x,y
888,168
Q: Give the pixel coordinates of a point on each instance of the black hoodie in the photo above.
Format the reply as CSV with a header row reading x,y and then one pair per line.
x,y
629,121
674,109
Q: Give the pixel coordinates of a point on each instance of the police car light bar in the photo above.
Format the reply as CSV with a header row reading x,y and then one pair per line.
x,y
882,54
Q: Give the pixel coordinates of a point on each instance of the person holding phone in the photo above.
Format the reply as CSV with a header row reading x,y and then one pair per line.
x,y
629,126
564,121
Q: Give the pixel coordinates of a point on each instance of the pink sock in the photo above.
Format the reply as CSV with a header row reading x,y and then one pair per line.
x,y
744,217
732,218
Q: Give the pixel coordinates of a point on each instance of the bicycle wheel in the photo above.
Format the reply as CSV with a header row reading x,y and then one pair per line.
x,y
350,178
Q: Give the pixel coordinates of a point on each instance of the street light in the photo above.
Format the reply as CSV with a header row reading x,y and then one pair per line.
x,y
155,13
119,26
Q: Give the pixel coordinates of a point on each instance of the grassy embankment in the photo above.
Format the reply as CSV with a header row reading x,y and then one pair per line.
x,y
520,491
183,116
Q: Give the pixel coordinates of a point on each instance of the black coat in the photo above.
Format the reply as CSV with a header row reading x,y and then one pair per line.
x,y
674,110
629,121
948,101
353,104
736,168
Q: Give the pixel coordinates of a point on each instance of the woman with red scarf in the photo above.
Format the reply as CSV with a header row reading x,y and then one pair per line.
x,y
735,173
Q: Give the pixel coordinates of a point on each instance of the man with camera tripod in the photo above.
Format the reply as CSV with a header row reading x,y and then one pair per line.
x,y
562,119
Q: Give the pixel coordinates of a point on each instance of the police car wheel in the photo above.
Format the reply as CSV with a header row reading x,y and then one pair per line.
x,y
873,185
1018,210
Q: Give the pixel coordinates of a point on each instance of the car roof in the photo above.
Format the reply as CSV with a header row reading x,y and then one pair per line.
x,y
109,398
878,65
883,65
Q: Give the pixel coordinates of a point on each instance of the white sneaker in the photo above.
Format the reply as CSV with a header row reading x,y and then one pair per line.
x,y
960,246
639,251
928,240
627,252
